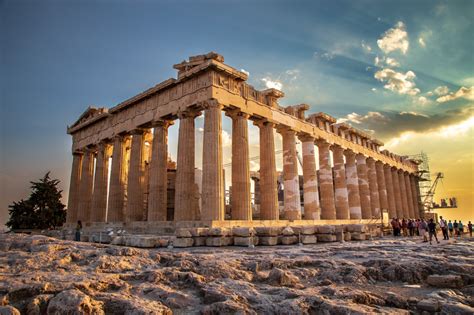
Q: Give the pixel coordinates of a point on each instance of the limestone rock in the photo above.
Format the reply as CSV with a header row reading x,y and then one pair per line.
x,y
140,241
289,240
359,228
268,230
200,240
243,231
325,229
267,240
356,236
326,237
182,232
39,304
183,242
219,241
195,232
445,281
219,231
245,241
8,310
347,236
306,229
308,239
429,305
287,231
74,302
281,277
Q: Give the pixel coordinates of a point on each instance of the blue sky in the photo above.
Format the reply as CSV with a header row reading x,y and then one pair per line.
x,y
58,57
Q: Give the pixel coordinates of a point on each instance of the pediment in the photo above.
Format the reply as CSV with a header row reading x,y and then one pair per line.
x,y
89,114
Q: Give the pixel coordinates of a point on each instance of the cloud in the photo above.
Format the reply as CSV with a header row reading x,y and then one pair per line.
x,y
392,62
395,38
441,90
401,83
326,55
245,71
463,92
226,139
359,119
272,84
423,100
366,46
421,41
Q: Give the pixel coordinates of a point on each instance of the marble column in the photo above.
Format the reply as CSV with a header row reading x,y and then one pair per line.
x,y
374,188
352,181
99,196
326,186
117,181
73,199
382,186
416,196
292,205
184,203
364,191
340,186
411,210
392,208
136,180
241,198
158,172
403,194
397,190
312,209
212,167
85,187
268,175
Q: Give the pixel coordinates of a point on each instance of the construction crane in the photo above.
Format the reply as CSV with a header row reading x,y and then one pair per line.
x,y
428,201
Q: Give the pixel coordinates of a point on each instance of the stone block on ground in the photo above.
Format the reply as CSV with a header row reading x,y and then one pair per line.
x,y
360,228
305,229
219,231
183,242
243,231
245,241
357,236
339,236
103,238
339,228
268,230
347,236
117,240
141,241
287,231
183,232
308,239
325,229
9,310
198,231
200,240
289,239
445,281
429,305
162,242
326,237
216,241
267,240
74,302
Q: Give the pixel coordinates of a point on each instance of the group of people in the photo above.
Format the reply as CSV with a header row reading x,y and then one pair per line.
x,y
421,227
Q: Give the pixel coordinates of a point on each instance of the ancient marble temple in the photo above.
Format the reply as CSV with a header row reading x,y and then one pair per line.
x,y
121,171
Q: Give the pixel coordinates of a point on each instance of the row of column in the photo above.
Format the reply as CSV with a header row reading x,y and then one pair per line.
x,y
355,188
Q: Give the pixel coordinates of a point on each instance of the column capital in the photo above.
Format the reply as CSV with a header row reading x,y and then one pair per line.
x,y
386,166
165,123
322,143
361,158
235,113
336,147
349,153
282,129
78,152
189,113
370,160
137,131
211,103
263,122
304,137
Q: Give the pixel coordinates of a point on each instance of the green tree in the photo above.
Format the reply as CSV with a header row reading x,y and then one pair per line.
x,y
42,210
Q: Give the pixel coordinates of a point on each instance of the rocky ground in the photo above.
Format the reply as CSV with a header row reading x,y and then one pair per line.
x,y
41,275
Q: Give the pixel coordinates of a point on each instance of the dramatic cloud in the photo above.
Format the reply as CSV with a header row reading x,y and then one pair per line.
x,y
359,119
366,46
394,39
245,71
392,62
463,92
421,41
441,90
423,100
272,84
401,83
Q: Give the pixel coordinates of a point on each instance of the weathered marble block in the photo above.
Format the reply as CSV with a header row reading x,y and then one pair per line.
x,y
267,240
326,237
219,241
245,241
289,240
268,230
243,231
325,229
183,242
308,239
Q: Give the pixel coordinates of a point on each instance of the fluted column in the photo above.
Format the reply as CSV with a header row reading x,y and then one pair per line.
x,y
74,186
340,186
352,180
381,185
364,191
392,208
397,190
268,175
158,172
411,209
374,188
99,196
292,206
328,208
403,194
240,202
184,204
135,186
85,197
115,211
416,196
312,209
212,167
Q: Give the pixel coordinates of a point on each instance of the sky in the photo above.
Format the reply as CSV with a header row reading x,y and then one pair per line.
x,y
402,70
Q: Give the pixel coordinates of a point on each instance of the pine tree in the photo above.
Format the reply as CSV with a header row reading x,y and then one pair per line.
x,y
42,210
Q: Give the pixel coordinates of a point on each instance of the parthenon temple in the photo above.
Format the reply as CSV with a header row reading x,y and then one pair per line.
x,y
122,170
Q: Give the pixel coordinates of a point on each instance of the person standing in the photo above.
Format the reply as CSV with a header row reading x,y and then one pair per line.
x,y
422,229
461,228
432,230
78,231
450,228
455,227
469,227
444,228
404,227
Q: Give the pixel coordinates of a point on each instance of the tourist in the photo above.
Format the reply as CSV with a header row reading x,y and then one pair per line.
x,y
444,228
410,227
432,230
417,227
422,230
395,227
78,231
404,227
461,228
455,227
469,227
450,228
